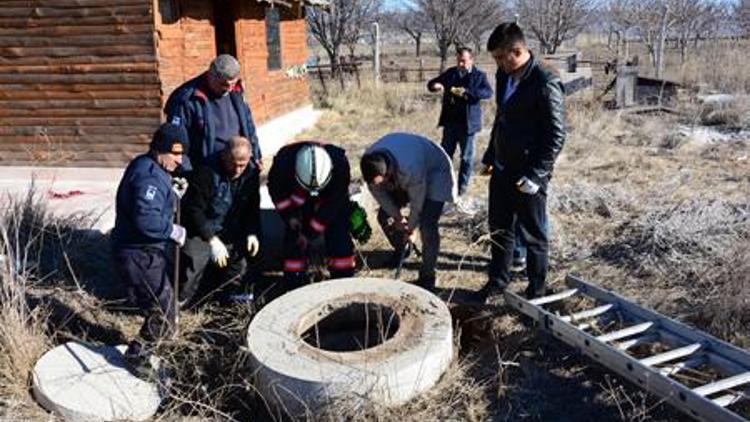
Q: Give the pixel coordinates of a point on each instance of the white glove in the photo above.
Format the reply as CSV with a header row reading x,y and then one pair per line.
x,y
179,186
438,87
526,186
219,252
178,234
253,245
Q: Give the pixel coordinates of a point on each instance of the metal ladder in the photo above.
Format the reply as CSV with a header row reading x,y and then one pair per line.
x,y
665,373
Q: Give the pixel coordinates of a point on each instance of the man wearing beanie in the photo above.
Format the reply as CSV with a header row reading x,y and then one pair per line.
x,y
145,204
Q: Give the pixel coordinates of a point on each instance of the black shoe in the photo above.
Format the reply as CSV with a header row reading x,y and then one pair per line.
x,y
518,265
136,359
426,282
395,259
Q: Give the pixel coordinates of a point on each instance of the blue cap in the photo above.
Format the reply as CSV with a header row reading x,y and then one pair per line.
x,y
174,139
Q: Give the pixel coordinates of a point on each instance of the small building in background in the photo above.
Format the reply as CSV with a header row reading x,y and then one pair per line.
x,y
83,82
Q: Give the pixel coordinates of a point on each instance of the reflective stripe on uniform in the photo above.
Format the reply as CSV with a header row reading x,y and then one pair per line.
x,y
294,265
317,225
341,263
282,205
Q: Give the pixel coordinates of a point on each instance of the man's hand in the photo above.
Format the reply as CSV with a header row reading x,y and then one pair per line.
x,y
179,186
411,236
526,186
178,234
219,252
253,245
458,91
302,242
295,224
438,87
486,170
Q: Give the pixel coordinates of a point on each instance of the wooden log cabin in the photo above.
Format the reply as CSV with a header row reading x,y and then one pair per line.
x,y
83,82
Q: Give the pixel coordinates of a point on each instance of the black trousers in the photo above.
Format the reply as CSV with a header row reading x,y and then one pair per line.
x,y
144,272
509,206
338,249
199,279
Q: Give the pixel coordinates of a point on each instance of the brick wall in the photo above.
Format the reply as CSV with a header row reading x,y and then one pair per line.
x,y
187,46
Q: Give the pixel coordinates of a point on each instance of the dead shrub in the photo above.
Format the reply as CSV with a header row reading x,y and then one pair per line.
x,y
679,243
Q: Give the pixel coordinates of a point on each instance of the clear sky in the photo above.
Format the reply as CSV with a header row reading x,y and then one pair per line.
x,y
394,4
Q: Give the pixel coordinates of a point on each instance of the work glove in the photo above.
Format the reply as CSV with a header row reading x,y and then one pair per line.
x,y
317,243
437,87
179,186
458,91
253,245
411,236
526,186
219,252
178,234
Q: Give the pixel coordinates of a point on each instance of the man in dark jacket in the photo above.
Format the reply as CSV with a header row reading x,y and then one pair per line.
x,y
221,211
143,227
463,86
212,108
527,136
309,185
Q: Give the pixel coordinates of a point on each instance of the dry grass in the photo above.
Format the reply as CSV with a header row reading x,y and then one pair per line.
x,y
658,218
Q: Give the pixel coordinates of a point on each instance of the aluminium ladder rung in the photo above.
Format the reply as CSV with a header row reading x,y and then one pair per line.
x,y
728,399
671,355
678,367
644,339
724,384
554,297
589,313
626,332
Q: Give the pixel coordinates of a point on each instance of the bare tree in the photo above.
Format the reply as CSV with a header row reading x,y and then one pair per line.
x,y
622,19
413,23
340,24
451,21
554,21
742,16
695,19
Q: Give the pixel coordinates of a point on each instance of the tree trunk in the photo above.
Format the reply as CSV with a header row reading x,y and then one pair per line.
x,y
443,46
660,43
418,41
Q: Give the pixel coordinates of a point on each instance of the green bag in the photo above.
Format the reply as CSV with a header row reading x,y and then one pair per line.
x,y
359,227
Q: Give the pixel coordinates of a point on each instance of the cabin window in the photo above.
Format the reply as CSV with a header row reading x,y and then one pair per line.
x,y
273,38
168,11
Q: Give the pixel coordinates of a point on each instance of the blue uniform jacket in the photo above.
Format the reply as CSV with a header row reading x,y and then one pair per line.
x,y
144,205
463,112
188,106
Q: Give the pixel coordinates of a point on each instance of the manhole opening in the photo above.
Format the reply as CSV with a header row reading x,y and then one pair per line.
x,y
354,327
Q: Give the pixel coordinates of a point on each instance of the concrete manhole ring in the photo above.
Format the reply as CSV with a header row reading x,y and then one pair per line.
x,y
384,340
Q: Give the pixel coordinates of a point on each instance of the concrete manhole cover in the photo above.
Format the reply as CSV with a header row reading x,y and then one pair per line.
x,y
383,340
90,383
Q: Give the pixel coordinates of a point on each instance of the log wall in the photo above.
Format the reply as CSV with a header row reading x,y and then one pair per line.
x,y
78,81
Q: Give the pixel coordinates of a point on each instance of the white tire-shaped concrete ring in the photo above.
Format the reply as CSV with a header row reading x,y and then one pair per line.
x,y
382,340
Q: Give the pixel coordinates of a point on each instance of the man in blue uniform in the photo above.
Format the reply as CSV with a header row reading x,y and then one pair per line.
x,y
143,227
213,110
463,87
309,185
